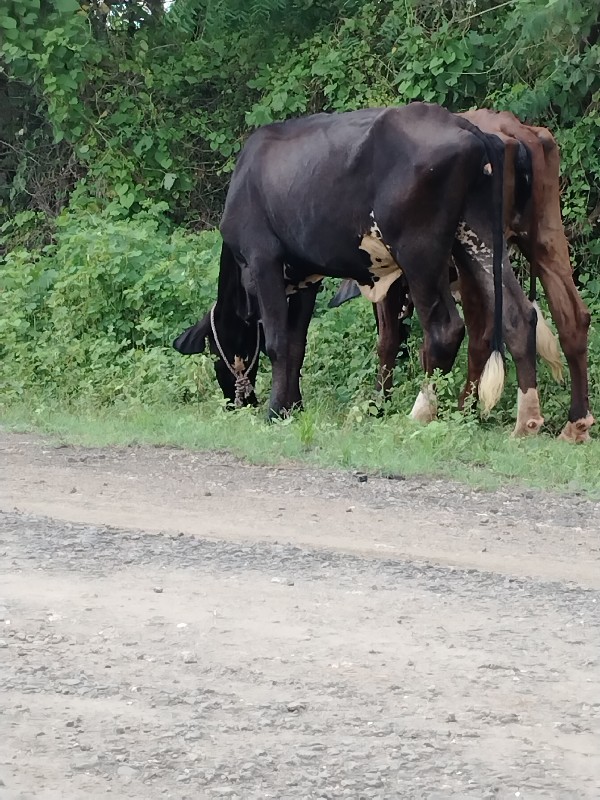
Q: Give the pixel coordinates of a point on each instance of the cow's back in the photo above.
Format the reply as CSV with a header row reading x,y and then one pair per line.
x,y
315,180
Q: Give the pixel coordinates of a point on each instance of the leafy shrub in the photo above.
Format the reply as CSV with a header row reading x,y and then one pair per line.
x,y
90,319
94,313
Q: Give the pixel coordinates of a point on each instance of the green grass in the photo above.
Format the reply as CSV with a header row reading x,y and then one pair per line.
x,y
468,451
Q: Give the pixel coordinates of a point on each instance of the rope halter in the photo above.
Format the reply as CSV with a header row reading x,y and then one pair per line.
x,y
243,385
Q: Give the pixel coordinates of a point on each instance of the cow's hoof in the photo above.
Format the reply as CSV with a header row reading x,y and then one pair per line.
x,y
577,432
531,427
425,407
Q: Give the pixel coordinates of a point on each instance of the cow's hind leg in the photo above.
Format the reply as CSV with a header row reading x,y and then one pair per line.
x,y
266,282
569,312
520,321
443,328
478,319
387,314
300,309
572,320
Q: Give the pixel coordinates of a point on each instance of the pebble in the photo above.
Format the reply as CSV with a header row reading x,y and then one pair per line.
x,y
85,762
297,706
126,773
189,657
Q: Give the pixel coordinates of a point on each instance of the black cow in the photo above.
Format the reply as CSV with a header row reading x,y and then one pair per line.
x,y
533,223
355,195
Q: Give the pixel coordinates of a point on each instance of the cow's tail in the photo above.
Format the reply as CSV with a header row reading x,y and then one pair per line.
x,y
491,382
547,345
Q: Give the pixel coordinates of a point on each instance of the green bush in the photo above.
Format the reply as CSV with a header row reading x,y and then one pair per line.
x,y
89,320
92,316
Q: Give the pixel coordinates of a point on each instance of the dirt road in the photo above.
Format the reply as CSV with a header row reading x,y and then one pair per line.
x,y
180,625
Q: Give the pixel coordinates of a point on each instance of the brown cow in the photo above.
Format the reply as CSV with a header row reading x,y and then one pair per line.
x,y
536,229
538,232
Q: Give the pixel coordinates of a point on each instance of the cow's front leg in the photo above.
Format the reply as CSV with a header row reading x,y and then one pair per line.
x,y
477,311
269,287
387,314
300,309
443,333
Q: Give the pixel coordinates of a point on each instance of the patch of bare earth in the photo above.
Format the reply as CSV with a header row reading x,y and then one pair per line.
x,y
182,625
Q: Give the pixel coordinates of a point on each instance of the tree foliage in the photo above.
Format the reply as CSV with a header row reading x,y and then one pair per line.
x,y
111,103
131,113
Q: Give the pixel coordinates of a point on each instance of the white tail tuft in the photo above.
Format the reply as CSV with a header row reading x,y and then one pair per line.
x,y
547,346
491,382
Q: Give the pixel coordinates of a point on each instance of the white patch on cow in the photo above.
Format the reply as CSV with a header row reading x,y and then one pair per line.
x,y
577,432
376,293
383,269
529,417
425,407
475,248
374,230
292,288
304,284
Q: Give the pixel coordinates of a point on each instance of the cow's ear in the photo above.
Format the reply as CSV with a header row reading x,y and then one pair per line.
x,y
193,340
348,291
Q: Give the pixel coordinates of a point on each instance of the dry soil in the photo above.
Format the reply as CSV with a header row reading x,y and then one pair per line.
x,y
182,625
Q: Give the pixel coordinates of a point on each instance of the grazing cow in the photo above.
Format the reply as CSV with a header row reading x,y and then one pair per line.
x,y
364,195
532,222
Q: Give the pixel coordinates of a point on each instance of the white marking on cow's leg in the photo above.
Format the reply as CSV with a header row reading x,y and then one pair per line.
x,y
425,407
547,345
491,383
577,432
475,248
529,416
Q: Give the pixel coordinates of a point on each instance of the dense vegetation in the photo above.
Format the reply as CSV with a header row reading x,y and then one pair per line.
x,y
120,123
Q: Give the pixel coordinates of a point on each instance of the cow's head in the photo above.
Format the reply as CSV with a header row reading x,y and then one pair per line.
x,y
235,342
